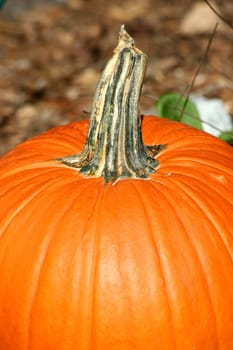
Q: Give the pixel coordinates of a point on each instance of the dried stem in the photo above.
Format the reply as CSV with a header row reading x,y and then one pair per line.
x,y
114,148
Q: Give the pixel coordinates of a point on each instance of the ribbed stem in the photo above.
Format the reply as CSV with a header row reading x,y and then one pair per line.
x,y
114,147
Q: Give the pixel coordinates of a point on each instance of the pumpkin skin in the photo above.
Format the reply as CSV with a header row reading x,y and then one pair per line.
x,y
138,264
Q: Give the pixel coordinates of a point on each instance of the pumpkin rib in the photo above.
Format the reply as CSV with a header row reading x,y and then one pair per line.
x,y
188,190
23,204
49,173
74,132
68,146
194,247
197,156
44,148
29,202
142,201
91,273
132,246
96,211
37,277
47,250
13,171
19,211
148,124
175,215
193,162
200,174
70,137
205,206
178,136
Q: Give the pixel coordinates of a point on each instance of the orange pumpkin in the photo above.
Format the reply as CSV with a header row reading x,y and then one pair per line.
x,y
98,252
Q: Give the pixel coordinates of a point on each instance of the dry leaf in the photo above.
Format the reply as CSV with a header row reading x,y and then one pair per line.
x,y
201,19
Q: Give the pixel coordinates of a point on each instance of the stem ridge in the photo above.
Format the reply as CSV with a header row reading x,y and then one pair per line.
x,y
114,148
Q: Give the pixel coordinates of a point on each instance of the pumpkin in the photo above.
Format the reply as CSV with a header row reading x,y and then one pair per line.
x,y
118,233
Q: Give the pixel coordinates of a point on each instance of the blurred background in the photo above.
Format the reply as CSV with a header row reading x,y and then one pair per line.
x,y
52,53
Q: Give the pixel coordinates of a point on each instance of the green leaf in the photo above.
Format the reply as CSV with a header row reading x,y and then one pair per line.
x,y
227,136
171,105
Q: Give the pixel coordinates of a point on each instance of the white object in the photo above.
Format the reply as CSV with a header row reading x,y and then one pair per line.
x,y
213,116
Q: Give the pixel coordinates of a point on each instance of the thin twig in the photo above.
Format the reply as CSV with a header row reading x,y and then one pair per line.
x,y
225,20
198,69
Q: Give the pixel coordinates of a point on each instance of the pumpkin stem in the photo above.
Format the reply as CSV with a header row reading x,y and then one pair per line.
x,y
114,147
